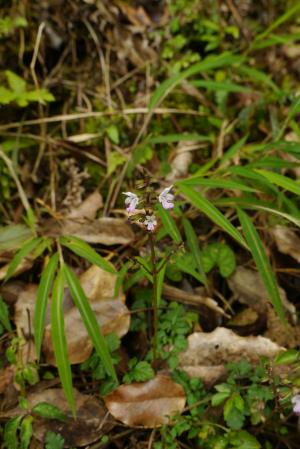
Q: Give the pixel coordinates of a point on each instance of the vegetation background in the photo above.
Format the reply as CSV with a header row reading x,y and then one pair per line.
x,y
114,336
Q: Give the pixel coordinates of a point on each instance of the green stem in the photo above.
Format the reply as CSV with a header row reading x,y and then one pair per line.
x,y
154,297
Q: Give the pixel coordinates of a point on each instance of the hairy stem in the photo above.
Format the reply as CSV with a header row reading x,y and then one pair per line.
x,y
154,297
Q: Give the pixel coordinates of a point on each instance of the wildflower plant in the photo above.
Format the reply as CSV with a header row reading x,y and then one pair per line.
x,y
141,209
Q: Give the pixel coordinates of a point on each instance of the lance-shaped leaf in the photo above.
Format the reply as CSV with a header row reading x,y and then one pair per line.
x,y
212,212
90,321
262,262
193,244
26,249
281,181
41,302
84,250
59,339
169,224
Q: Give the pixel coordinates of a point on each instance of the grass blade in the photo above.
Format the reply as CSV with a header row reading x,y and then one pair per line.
x,y
26,249
41,302
216,183
193,245
169,224
209,63
84,250
212,212
90,321
262,262
281,181
59,339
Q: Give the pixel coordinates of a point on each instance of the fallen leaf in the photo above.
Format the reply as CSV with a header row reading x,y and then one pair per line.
x,y
23,266
112,316
148,404
99,284
249,289
90,423
88,208
208,352
24,310
287,241
107,231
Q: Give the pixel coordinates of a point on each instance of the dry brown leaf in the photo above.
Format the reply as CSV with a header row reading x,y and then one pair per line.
x,y
89,425
88,208
249,289
208,352
7,376
148,404
112,316
107,231
99,284
287,241
23,266
24,310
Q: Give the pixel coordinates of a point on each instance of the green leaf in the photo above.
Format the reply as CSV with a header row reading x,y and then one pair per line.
x,y
223,86
244,440
221,255
184,137
4,315
26,249
160,281
90,321
41,302
138,372
114,159
113,134
169,224
84,250
281,181
212,212
10,433
54,441
287,357
234,412
49,411
262,262
15,82
193,245
59,339
209,63
26,432
219,397
216,184
120,278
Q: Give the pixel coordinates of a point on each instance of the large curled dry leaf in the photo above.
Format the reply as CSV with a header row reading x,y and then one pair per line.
x,y
111,313
287,241
112,316
249,289
107,231
208,352
148,404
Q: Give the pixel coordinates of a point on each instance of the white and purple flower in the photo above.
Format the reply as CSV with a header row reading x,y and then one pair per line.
x,y
150,222
296,404
131,201
166,198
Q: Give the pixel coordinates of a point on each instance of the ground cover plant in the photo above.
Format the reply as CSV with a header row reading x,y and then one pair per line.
x,y
149,224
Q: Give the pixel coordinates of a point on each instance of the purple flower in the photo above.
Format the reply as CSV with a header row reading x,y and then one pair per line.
x,y
131,201
150,222
296,404
166,198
